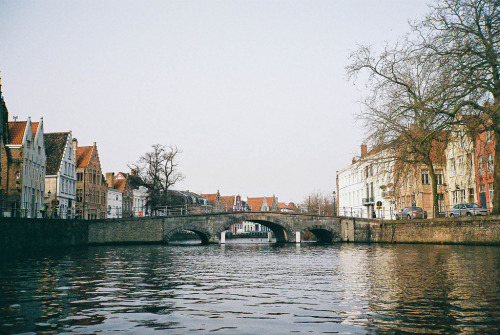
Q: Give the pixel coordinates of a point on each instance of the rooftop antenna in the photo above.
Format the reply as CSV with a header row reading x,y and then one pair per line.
x,y
15,118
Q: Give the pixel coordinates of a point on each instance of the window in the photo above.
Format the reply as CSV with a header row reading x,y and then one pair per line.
x,y
425,177
461,165
440,198
490,190
39,150
490,163
462,196
480,165
79,195
455,197
28,144
452,168
470,162
471,195
79,176
439,177
489,136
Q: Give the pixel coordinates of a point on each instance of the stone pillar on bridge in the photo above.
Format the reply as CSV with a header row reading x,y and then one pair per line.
x,y
269,236
223,237
297,237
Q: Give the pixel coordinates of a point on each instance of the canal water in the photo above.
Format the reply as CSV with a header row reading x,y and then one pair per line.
x,y
252,289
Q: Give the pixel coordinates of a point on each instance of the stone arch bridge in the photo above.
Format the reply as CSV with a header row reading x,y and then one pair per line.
x,y
284,225
287,227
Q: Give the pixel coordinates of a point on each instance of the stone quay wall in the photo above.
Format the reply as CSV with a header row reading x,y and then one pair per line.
x,y
469,230
16,233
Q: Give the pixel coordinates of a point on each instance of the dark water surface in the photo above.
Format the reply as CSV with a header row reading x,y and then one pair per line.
x,y
252,289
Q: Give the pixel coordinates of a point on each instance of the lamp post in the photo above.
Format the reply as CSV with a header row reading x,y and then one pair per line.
x,y
334,203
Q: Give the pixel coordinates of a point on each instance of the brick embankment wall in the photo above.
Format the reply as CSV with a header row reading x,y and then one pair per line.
x,y
38,233
472,230
134,230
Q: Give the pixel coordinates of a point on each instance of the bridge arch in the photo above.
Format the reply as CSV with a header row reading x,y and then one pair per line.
x,y
281,231
203,234
323,234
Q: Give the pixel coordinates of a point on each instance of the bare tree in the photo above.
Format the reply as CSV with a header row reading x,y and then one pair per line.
x,y
319,203
403,86
465,34
449,66
158,171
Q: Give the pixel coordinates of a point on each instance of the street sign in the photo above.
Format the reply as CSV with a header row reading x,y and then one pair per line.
x,y
55,202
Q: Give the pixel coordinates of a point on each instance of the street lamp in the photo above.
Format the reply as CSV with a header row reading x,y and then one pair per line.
x,y
334,203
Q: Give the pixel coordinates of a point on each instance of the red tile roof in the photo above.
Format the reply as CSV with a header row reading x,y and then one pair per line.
x,y
34,128
227,202
256,203
210,197
83,156
16,132
119,184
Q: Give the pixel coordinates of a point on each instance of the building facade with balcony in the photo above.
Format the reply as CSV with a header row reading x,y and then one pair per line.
x,y
365,188
460,168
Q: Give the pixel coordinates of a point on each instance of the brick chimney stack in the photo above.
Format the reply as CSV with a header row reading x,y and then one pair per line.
x,y
75,146
364,150
110,179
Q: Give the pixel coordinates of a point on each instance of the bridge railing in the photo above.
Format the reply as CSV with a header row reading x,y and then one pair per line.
x,y
27,210
397,213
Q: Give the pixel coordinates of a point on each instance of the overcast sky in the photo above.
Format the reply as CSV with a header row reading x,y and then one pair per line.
x,y
254,92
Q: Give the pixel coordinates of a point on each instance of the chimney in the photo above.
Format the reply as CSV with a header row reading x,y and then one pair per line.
x,y
364,150
75,145
110,179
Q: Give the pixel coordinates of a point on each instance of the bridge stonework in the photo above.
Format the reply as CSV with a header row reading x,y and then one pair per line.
x,y
285,226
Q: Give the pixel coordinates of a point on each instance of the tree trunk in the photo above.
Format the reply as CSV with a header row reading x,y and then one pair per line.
x,y
435,205
495,202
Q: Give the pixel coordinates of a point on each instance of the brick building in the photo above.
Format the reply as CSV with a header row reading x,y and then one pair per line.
x,y
22,180
91,189
484,159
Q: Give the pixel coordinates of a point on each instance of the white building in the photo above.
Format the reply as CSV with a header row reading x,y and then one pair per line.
x,y
461,174
60,178
364,188
139,203
24,184
115,203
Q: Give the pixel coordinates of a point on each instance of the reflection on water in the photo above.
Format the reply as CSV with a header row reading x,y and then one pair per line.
x,y
249,289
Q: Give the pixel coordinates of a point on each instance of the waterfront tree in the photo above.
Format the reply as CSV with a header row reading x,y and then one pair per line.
x,y
319,203
158,171
448,66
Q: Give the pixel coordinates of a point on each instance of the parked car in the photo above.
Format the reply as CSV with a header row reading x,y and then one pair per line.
x,y
467,210
412,212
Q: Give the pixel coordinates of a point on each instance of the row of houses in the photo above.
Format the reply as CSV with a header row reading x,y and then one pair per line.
x,y
375,186
52,175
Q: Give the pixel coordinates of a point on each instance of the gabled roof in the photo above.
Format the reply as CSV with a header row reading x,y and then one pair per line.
x,y
16,132
210,197
83,156
55,144
34,128
227,202
282,205
120,184
256,203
